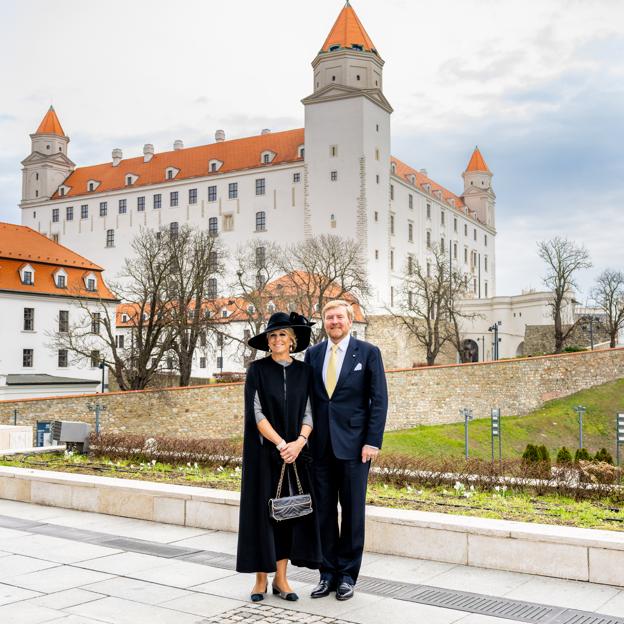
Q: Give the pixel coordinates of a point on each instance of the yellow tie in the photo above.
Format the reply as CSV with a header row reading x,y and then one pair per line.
x,y
330,377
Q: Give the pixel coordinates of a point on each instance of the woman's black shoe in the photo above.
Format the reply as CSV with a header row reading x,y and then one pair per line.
x,y
290,596
259,597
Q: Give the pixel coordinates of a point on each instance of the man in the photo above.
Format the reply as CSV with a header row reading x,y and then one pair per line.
x,y
350,400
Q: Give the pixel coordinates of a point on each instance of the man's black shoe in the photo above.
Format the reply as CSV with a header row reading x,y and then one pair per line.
x,y
345,591
322,589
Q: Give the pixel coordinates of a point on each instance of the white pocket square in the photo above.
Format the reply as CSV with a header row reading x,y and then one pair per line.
x,y
358,367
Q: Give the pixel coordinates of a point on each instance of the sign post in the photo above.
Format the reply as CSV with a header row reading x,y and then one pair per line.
x,y
619,434
496,433
580,411
467,414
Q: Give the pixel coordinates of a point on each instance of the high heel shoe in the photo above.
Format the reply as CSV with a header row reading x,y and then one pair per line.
x,y
290,596
259,597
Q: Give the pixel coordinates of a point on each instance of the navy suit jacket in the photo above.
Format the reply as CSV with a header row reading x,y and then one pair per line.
x,y
356,413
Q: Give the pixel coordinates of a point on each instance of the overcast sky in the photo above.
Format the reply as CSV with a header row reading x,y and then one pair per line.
x,y
537,84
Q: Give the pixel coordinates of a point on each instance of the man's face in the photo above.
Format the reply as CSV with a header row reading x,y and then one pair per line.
x,y
337,323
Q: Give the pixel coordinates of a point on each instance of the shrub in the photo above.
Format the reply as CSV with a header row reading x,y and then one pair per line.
x,y
574,349
603,456
564,456
581,455
543,454
531,454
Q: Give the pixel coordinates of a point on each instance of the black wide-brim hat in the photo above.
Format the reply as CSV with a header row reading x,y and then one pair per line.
x,y
281,320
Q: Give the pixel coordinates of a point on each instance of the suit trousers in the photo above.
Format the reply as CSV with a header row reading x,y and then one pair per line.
x,y
344,481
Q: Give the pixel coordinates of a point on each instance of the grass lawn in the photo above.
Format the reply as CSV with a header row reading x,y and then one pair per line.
x,y
554,425
504,503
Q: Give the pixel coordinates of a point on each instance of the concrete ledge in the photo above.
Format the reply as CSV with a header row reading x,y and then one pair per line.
x,y
561,552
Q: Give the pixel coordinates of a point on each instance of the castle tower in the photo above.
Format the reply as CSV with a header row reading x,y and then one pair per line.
x,y
478,194
48,165
347,146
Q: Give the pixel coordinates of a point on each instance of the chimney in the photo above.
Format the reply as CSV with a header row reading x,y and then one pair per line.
x,y
148,152
423,171
266,131
220,136
117,156
178,144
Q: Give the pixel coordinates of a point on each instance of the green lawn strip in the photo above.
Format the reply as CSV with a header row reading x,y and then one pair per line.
x,y
505,504
555,424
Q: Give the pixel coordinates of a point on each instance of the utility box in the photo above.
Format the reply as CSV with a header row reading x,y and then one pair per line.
x,y
75,435
15,437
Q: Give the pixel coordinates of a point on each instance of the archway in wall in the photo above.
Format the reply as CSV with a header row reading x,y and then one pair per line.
x,y
520,349
471,351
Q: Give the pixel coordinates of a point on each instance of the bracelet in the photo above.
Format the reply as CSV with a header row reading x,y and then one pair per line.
x,y
304,437
281,445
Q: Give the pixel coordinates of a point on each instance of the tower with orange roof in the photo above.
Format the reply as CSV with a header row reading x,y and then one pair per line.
x,y
347,145
47,165
478,194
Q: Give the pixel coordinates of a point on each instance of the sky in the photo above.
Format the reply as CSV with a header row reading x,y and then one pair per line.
x,y
538,85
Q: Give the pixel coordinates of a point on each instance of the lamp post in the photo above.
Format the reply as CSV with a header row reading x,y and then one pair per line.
x,y
467,415
496,339
496,433
98,408
102,367
580,411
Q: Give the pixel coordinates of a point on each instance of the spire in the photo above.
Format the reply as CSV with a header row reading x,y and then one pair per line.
x,y
347,32
477,163
50,124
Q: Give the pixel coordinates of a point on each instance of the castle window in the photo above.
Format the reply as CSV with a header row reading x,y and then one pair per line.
x,y
169,174
334,48
232,190
110,238
441,217
410,232
376,254
392,191
266,159
357,77
141,203
301,151
333,150
63,324
27,277
173,198
173,229
357,46
454,224
211,291
29,319
36,176
27,358
47,147
428,211
428,269
55,215
61,281
62,192
485,239
377,127
192,198
260,221
376,216
36,193
213,167
91,284
392,259
62,358
333,176
333,78
296,178
213,227
485,285
228,222
428,239
212,193
485,263
84,211
442,245
455,251
128,180
474,234
393,167
410,265
466,255
157,201
103,209
69,213
410,201
123,206
391,224
260,186
377,178
91,186
376,153
465,229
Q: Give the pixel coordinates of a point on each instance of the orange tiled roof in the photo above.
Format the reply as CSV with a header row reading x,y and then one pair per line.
x,y
50,124
347,31
18,242
191,162
477,162
20,245
405,171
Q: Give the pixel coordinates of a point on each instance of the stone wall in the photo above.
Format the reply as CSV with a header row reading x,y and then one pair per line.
x,y
428,395
399,347
540,339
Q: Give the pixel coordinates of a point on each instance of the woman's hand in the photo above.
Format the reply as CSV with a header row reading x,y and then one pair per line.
x,y
292,449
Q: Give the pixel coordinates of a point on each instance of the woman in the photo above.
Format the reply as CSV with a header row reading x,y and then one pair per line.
x,y
278,421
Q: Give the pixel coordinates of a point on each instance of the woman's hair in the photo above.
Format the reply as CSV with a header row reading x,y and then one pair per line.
x,y
338,303
291,334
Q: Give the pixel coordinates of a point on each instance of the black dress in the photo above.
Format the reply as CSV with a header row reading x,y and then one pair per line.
x,y
283,393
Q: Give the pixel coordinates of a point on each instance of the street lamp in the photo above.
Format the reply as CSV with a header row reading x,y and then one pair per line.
x,y
102,366
496,340
98,408
467,415
580,411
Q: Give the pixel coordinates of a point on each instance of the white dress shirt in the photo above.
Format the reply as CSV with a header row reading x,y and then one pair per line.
x,y
340,356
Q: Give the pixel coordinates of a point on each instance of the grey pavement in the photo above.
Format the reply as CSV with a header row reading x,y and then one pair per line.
x,y
73,567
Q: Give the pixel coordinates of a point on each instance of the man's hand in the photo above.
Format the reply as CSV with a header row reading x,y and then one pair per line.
x,y
291,451
369,453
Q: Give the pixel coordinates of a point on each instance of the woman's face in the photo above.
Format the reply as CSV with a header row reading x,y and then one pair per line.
x,y
279,342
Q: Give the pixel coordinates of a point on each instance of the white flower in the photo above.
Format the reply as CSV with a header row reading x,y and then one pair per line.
x,y
504,488
458,486
195,465
188,464
153,462
472,488
220,469
497,487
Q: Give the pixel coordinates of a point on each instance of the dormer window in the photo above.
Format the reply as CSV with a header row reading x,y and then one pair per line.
x,y
92,185
427,187
224,313
60,278
27,275
438,193
171,172
63,190
267,157
301,151
334,48
393,168
214,165
124,318
412,178
131,178
90,282
358,47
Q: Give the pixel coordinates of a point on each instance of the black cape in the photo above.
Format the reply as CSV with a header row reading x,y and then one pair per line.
x,y
262,465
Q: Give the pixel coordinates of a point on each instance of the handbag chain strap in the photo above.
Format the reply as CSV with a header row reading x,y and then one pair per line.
x,y
281,480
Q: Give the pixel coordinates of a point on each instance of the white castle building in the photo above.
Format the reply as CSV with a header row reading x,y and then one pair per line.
x,y
336,175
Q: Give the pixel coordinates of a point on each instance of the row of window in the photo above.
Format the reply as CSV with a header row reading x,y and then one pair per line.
x,y
28,358
27,276
63,321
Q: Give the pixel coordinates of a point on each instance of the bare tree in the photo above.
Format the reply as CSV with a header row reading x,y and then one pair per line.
x,y
196,263
142,286
322,268
257,265
609,295
429,303
563,258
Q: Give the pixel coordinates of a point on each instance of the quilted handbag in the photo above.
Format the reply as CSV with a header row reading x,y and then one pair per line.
x,y
289,507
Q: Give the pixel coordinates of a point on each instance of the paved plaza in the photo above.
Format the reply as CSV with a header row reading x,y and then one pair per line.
x,y
59,565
